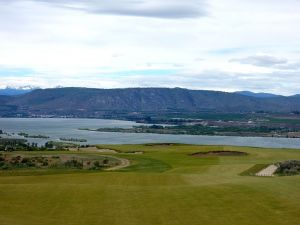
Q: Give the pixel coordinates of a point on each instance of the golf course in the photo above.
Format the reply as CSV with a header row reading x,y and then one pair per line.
x,y
163,184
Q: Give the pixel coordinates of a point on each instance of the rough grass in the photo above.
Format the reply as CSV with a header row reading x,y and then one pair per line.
x,y
164,186
57,166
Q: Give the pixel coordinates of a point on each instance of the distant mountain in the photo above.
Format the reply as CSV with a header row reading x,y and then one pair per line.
x,y
257,95
85,102
14,91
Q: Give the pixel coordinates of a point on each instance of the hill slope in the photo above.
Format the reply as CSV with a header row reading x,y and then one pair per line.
x,y
14,91
257,95
92,102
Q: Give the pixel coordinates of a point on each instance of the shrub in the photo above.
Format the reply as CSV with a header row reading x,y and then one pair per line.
x,y
5,167
97,164
105,161
25,160
73,164
291,167
29,164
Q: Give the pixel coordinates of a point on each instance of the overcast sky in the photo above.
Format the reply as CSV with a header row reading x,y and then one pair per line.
x,y
214,45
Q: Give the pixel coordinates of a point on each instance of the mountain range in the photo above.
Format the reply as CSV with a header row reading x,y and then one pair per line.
x,y
258,95
88,102
16,91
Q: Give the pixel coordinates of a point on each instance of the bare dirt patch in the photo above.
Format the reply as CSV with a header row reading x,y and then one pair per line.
x,y
219,153
94,149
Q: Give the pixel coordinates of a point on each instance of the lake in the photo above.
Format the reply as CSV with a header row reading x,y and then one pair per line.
x,y
57,128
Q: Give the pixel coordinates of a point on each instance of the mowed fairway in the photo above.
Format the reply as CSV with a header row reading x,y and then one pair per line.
x,y
163,186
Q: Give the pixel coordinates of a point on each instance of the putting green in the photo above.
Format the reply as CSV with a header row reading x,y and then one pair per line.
x,y
165,185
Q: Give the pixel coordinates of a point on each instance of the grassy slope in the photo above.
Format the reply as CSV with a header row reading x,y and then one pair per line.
x,y
163,186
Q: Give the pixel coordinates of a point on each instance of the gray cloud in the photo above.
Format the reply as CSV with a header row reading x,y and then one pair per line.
x,y
262,60
168,9
289,66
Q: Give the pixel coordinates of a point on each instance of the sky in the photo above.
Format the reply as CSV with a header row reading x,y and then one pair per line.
x,y
230,45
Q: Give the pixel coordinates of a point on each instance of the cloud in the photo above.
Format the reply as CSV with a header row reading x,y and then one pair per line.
x,y
275,82
261,60
289,66
167,9
99,43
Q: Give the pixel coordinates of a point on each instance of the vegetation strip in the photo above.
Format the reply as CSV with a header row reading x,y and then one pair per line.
x,y
17,161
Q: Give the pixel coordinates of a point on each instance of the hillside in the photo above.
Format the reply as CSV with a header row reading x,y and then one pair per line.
x,y
85,102
257,95
15,91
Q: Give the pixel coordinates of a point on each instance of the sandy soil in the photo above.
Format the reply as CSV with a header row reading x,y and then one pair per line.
x,y
93,149
267,172
219,153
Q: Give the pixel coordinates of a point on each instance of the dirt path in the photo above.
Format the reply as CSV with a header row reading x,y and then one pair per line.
x,y
124,163
267,172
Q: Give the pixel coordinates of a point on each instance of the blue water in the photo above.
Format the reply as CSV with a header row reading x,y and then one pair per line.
x,y
68,128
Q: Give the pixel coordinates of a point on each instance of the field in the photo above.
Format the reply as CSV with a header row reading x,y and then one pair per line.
x,y
166,185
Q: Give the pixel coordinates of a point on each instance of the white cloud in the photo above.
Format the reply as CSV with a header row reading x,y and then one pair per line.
x,y
88,46
207,80
169,9
262,60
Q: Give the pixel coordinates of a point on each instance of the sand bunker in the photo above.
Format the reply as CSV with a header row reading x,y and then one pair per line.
x,y
267,172
219,153
160,144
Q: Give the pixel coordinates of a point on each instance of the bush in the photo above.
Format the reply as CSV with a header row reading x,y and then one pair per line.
x,y
25,160
2,163
5,167
105,161
73,164
97,164
29,164
287,168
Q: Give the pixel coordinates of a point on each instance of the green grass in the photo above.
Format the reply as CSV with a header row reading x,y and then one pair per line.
x,y
254,170
283,120
145,164
163,186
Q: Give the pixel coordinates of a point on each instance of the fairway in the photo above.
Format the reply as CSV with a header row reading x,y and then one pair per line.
x,y
164,184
